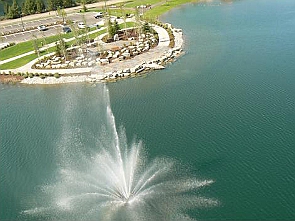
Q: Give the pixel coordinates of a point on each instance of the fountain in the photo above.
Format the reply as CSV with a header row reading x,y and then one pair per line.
x,y
118,183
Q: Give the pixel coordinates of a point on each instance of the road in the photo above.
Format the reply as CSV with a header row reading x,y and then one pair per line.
x,y
52,23
31,22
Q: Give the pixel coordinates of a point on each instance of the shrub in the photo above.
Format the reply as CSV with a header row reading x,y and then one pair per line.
x,y
57,75
31,75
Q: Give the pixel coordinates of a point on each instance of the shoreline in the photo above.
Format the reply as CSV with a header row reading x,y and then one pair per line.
x,y
153,59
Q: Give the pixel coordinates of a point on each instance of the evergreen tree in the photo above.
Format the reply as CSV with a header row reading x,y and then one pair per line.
x,y
116,26
29,7
13,10
51,5
40,6
32,7
67,3
6,8
112,28
58,4
23,8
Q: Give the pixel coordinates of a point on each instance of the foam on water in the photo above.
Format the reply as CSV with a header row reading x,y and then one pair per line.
x,y
117,182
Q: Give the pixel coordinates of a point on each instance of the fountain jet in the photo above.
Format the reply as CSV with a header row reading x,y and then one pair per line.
x,y
117,182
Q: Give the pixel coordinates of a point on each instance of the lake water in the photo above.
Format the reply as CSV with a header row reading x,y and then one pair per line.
x,y
226,110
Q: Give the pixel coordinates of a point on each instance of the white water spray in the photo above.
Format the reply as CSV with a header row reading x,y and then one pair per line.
x,y
117,183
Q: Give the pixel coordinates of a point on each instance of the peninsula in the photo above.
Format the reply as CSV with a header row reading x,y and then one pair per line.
x,y
123,42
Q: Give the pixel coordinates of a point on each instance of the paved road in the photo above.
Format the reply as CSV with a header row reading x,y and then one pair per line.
x,y
51,22
46,18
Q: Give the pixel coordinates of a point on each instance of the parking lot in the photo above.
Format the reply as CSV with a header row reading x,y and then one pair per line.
x,y
53,23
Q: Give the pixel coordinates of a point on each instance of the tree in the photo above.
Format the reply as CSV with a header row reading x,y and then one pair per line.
x,y
51,5
29,7
36,47
146,28
40,6
58,4
44,42
6,8
137,20
85,34
62,13
83,2
62,46
111,30
13,10
24,9
68,3
78,40
32,7
57,49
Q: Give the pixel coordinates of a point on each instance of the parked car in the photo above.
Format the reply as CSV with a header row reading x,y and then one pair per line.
x,y
98,15
81,25
42,28
66,29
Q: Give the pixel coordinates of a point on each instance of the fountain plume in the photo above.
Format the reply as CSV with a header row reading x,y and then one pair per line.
x,y
118,183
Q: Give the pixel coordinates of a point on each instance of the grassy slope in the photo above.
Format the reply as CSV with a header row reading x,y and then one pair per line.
x,y
165,7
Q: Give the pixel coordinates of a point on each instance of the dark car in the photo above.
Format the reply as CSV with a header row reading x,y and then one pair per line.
x,y
66,29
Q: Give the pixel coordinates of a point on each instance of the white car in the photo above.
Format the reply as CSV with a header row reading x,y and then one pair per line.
x,y
81,25
98,15
42,28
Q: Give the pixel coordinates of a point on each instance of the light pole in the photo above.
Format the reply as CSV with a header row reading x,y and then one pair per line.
x,y
21,18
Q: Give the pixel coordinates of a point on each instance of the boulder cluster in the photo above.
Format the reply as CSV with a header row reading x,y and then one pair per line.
x,y
144,43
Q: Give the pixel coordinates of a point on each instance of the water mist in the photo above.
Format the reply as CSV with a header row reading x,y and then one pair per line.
x,y
116,181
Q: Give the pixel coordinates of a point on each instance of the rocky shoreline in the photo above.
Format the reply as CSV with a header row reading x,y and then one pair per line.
x,y
154,59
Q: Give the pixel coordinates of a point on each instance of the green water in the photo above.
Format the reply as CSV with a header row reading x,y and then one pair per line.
x,y
225,109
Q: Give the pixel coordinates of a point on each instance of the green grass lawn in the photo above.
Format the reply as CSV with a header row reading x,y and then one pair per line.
x,y
27,46
135,3
18,62
165,7
23,60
